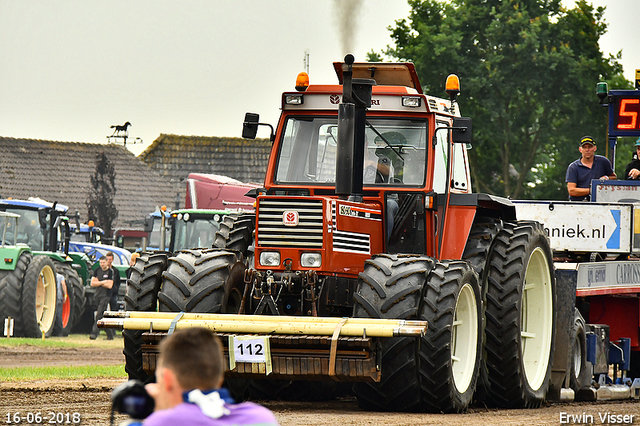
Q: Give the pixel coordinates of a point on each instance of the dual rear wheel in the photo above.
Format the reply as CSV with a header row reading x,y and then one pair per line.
x,y
438,371
512,339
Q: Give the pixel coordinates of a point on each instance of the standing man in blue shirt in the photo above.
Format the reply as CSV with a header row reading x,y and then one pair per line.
x,y
590,166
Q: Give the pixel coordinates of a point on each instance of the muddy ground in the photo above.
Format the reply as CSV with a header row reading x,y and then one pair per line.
x,y
91,399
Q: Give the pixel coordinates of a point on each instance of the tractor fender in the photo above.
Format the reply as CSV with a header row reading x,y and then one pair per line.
x,y
10,254
461,215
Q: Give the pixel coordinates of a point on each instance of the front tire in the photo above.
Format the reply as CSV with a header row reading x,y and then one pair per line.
x,y
236,232
11,294
141,295
198,280
450,352
391,286
39,297
520,316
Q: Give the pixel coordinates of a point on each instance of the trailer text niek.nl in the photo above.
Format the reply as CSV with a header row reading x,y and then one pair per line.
x,y
582,227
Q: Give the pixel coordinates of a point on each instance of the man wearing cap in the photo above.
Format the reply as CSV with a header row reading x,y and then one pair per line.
x,y
590,166
633,168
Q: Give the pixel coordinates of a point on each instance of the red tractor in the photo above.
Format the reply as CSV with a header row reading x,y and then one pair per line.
x,y
367,212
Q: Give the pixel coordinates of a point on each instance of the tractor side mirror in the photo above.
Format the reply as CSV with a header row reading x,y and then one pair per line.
x,y
461,130
42,218
250,125
148,224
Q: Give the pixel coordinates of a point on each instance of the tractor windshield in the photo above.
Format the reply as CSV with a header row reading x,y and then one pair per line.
x,y
395,152
28,229
7,224
195,232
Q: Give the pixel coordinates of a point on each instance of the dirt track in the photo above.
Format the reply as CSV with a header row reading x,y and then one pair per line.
x,y
91,399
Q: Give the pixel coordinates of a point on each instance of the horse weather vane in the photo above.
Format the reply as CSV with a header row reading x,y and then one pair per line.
x,y
121,134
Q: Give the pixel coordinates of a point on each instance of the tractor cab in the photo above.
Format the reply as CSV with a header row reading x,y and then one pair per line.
x,y
8,222
42,226
192,228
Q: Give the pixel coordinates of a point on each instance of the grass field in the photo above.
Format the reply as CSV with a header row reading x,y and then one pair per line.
x,y
71,341
17,374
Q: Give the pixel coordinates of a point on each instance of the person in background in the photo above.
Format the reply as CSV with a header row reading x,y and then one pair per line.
x,y
132,262
633,168
113,301
102,280
187,391
589,166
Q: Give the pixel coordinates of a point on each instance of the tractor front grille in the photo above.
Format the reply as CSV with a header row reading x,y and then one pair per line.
x,y
272,232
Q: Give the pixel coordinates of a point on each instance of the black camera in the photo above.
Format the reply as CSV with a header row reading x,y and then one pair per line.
x,y
132,399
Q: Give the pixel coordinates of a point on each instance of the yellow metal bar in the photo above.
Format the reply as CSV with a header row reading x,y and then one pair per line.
x,y
250,318
266,324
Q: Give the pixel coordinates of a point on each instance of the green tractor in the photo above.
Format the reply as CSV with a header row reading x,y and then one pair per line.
x,y
193,234
39,232
14,259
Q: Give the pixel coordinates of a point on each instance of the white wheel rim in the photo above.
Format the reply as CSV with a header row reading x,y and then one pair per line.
x,y
46,298
536,327
464,338
577,357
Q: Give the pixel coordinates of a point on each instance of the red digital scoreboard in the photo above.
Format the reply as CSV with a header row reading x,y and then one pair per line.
x,y
624,113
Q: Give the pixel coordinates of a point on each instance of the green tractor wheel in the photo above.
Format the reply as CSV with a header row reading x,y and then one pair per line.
x,y
39,297
73,306
11,294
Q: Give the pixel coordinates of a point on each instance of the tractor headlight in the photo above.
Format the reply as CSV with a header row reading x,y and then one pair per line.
x,y
293,99
270,258
411,101
311,260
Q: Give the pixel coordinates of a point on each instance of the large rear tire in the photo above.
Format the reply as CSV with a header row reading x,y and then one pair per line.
x,y
71,313
476,252
145,281
236,233
520,316
141,295
39,297
197,280
11,294
438,372
205,281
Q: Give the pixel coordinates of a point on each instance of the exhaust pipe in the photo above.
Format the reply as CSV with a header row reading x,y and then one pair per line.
x,y
356,98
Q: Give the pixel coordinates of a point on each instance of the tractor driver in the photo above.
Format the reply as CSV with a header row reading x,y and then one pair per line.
x,y
378,168
590,166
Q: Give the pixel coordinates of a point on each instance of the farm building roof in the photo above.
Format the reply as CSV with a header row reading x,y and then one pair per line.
x,y
61,171
174,157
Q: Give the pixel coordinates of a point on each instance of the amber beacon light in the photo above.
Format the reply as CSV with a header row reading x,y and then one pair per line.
x,y
302,82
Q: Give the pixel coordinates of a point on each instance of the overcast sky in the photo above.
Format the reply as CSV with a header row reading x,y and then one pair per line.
x,y
71,69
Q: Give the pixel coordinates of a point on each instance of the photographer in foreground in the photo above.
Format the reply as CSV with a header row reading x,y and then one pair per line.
x,y
187,391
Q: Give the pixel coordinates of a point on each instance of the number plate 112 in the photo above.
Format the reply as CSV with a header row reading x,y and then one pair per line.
x,y
251,349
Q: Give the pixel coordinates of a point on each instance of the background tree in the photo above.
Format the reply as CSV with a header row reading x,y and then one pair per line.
x,y
528,71
100,204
